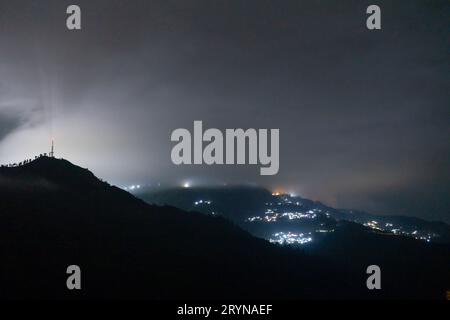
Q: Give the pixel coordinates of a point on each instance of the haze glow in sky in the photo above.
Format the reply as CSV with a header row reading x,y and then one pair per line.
x,y
363,115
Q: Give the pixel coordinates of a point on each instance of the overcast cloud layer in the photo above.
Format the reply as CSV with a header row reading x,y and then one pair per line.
x,y
363,116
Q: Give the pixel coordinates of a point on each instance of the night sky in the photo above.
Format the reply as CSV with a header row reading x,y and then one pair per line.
x,y
363,115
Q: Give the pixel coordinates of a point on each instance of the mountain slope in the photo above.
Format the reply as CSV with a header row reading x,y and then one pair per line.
x,y
238,203
54,214
411,268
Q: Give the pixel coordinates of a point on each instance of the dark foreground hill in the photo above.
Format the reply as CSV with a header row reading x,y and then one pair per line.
x,y
54,214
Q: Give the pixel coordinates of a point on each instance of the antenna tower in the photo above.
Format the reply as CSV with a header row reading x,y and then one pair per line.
x,y
52,154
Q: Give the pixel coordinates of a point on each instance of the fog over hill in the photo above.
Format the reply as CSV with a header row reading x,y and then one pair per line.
x,y
54,214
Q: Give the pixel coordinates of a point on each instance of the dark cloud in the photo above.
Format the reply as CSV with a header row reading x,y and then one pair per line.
x,y
8,123
363,116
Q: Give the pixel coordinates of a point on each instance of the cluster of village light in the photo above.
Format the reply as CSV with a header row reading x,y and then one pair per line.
x,y
200,202
389,227
291,238
271,216
132,187
204,203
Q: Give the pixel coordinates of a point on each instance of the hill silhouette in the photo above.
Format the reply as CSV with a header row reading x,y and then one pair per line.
x,y
54,214
411,268
237,203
